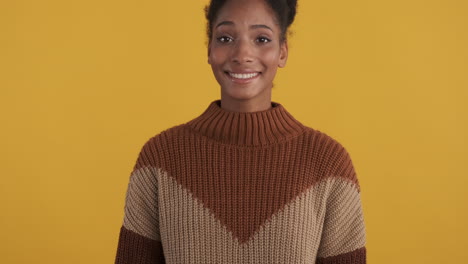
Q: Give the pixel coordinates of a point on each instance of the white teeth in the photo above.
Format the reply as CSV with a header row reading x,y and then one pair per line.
x,y
243,75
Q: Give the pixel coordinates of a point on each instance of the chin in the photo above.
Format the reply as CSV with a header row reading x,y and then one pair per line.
x,y
239,94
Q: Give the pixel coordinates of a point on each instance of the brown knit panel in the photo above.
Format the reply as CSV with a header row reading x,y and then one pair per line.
x,y
357,256
136,249
237,183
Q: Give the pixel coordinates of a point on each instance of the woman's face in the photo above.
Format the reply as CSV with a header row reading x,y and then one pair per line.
x,y
245,51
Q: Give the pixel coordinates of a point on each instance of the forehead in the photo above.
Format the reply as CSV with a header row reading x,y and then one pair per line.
x,y
246,12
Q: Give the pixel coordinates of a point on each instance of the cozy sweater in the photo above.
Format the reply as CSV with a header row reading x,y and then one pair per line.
x,y
242,187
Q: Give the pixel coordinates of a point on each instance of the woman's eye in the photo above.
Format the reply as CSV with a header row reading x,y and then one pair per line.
x,y
224,39
263,40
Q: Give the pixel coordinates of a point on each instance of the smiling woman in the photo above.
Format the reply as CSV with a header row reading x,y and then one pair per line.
x,y
244,182
245,51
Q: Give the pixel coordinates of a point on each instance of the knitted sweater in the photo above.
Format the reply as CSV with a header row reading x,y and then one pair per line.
x,y
242,187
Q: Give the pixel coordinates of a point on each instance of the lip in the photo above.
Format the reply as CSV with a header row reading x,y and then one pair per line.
x,y
242,81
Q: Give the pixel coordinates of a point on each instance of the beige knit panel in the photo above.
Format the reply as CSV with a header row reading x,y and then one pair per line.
x,y
192,233
141,203
344,229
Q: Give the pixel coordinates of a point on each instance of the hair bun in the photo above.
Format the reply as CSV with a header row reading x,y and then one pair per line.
x,y
292,4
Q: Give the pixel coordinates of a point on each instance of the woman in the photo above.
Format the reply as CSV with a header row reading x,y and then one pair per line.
x,y
244,182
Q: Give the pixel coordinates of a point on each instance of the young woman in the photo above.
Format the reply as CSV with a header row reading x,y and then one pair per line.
x,y
244,182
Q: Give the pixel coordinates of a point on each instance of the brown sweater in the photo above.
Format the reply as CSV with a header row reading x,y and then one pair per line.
x,y
236,187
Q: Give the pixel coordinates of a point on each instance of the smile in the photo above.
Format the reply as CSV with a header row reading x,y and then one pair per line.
x,y
243,78
244,75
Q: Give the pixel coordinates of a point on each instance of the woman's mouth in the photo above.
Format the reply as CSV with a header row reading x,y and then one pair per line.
x,y
242,77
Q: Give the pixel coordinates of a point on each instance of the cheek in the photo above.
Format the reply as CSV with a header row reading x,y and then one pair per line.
x,y
270,57
217,55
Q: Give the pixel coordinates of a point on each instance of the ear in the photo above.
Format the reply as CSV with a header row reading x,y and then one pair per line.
x,y
283,54
209,52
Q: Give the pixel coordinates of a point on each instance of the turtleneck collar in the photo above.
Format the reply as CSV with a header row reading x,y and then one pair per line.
x,y
247,128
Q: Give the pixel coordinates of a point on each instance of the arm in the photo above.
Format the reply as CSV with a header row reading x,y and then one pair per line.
x,y
343,235
139,239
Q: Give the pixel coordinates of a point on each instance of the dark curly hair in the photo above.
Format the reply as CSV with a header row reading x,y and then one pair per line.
x,y
285,11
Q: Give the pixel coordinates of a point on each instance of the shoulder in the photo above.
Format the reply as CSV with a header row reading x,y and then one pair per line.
x,y
156,147
168,134
330,156
323,141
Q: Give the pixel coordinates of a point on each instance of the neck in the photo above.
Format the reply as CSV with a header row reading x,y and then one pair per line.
x,y
264,127
260,103
241,106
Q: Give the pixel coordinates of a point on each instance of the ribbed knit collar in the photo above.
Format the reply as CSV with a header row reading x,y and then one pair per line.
x,y
247,128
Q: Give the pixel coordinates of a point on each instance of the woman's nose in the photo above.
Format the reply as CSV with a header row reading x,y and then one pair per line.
x,y
243,52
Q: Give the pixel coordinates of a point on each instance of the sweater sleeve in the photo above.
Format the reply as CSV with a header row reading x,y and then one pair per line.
x,y
343,234
139,238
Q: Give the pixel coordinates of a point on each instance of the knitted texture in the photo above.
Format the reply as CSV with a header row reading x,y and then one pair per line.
x,y
242,187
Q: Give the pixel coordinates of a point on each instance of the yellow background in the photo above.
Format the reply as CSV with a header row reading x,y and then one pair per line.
x,y
84,84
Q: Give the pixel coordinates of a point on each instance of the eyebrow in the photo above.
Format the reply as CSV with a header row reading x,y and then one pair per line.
x,y
230,23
